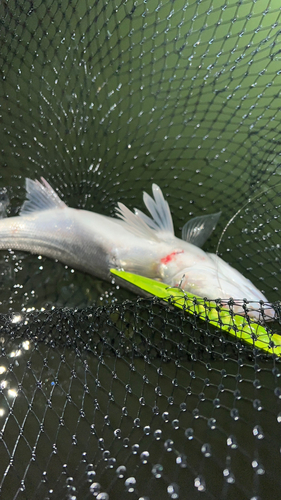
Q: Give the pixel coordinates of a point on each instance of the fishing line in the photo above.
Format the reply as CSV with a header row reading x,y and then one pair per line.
x,y
250,200
262,192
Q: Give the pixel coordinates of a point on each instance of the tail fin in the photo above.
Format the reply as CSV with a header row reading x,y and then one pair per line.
x,y
40,196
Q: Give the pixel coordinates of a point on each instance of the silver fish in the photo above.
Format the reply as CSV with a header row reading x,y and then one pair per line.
x,y
133,242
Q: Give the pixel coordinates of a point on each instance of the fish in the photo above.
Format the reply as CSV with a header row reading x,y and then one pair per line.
x,y
131,241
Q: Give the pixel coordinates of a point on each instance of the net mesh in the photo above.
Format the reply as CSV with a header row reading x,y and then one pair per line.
x,y
105,395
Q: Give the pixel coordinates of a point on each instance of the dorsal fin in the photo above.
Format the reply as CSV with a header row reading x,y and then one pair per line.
x,y
134,223
198,229
159,210
159,227
40,196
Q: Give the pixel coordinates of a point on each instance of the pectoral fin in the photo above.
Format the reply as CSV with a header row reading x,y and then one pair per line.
x,y
198,230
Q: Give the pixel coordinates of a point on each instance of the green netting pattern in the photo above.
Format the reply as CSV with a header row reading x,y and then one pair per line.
x,y
103,395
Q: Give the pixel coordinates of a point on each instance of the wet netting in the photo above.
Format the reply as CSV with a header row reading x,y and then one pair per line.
x,y
104,394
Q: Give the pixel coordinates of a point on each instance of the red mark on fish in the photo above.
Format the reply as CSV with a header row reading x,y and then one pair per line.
x,y
170,256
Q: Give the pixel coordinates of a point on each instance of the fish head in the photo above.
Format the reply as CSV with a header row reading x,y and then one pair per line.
x,y
233,291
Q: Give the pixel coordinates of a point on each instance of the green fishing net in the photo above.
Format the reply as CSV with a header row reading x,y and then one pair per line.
x,y
104,394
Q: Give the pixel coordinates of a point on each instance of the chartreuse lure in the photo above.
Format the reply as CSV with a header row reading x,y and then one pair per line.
x,y
240,327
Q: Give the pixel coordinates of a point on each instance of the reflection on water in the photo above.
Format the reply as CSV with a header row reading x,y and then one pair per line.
x,y
10,385
29,282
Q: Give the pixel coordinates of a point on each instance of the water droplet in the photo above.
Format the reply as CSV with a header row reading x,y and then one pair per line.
x,y
216,402
106,455
256,383
199,483
121,471
175,424
91,474
258,468
135,449
195,413
101,443
69,480
202,396
170,400
183,407
237,394
130,484
277,392
158,390
181,461
189,433
95,488
126,442
111,462
157,470
124,411
165,416
137,422
279,418
257,404
234,413
144,456
232,442
258,432
103,496
117,433
173,491
169,444
229,476
157,434
146,430
212,423
206,450
106,420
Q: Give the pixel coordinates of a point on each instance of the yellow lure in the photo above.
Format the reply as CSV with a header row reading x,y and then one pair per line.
x,y
240,327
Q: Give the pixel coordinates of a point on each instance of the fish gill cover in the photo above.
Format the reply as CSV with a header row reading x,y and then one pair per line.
x,y
103,394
